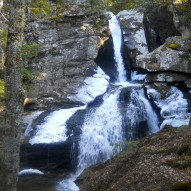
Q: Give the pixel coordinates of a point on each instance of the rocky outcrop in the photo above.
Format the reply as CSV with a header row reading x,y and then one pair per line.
x,y
133,32
158,25
158,162
183,23
57,157
69,45
169,62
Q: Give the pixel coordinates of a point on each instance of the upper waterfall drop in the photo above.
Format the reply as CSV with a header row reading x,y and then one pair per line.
x,y
117,42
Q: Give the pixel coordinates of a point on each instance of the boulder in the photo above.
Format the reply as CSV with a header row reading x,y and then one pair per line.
x,y
158,25
131,22
166,77
171,61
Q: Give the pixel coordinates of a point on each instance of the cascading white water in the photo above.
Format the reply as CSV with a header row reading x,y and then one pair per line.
x,y
117,42
101,137
101,132
139,109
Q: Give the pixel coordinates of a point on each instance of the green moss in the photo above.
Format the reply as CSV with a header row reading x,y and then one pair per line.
x,y
57,17
174,45
26,74
2,91
30,51
3,37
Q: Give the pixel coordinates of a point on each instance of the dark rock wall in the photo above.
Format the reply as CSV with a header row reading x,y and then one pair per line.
x,y
56,157
158,25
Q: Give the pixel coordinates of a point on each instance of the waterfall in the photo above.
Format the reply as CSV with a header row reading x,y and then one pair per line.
x,y
138,109
117,42
101,132
103,129
101,137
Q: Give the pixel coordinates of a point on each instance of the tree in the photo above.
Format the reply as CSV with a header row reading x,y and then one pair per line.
x,y
10,140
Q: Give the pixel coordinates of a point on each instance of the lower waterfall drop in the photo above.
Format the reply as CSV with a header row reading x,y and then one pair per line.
x,y
101,132
101,137
139,109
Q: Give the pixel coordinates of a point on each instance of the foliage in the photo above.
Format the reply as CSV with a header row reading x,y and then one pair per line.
x,y
61,6
118,5
3,37
96,6
41,8
178,6
181,6
30,51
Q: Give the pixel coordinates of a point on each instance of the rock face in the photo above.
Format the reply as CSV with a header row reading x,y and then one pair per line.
x,y
158,25
133,32
169,62
182,23
69,46
57,157
158,162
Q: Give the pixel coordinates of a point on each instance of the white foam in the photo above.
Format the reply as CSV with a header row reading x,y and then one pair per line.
x,y
173,108
92,87
54,128
174,123
137,77
30,171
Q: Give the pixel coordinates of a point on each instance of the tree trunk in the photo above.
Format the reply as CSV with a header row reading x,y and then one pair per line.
x,y
10,140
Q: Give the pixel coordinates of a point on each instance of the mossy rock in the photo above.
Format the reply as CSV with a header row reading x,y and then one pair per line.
x,y
30,50
3,37
57,18
174,45
2,90
26,75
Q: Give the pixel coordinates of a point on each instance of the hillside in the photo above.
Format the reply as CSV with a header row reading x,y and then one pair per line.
x,y
156,163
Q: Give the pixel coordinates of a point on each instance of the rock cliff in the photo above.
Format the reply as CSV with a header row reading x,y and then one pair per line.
x,y
68,46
